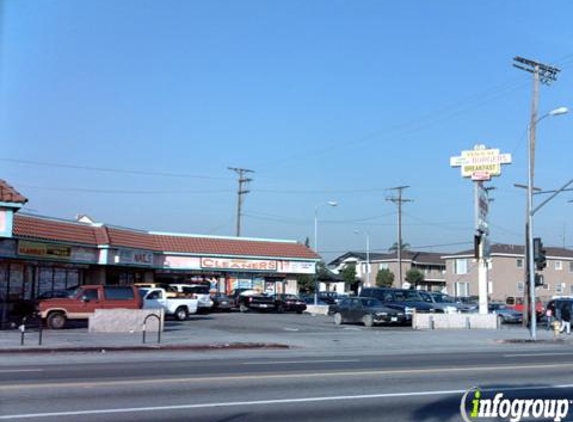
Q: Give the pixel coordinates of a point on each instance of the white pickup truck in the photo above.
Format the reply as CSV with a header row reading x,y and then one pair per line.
x,y
179,307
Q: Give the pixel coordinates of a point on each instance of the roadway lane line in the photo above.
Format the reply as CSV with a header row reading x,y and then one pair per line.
x,y
526,355
265,402
279,362
259,377
6,371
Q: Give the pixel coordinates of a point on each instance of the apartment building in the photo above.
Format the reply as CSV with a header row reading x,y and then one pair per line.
x,y
428,263
506,273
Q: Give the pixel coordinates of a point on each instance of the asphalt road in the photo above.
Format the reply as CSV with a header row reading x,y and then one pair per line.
x,y
422,387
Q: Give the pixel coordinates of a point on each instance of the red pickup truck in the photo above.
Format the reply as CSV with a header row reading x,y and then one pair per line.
x,y
82,302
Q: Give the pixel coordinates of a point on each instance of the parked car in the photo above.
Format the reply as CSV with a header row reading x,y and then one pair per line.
x,y
400,299
505,313
178,307
443,302
171,292
332,298
517,304
83,302
292,303
368,311
247,299
195,291
221,302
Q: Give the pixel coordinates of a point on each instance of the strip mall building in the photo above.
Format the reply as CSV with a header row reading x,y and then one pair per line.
x,y
40,255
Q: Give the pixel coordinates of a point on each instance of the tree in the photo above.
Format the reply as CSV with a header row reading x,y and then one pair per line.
x,y
394,247
385,278
348,273
305,283
414,277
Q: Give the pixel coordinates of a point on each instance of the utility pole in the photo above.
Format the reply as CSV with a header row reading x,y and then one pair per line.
x,y
545,74
241,192
398,200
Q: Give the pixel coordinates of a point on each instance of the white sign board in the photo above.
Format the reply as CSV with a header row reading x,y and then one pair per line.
x,y
480,163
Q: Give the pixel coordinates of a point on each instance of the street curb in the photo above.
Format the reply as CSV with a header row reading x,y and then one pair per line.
x,y
145,348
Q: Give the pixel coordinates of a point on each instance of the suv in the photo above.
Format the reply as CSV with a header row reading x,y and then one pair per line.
x,y
401,299
83,302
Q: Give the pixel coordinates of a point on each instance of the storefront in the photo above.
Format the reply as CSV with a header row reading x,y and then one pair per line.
x,y
43,255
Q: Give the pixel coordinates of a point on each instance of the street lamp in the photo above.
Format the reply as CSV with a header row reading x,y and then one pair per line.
x,y
368,283
331,204
529,223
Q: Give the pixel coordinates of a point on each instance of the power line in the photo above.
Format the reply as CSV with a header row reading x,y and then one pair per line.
x,y
110,170
123,191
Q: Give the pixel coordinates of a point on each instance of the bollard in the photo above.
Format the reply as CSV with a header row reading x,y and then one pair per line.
x,y
468,324
22,329
40,333
556,329
144,329
432,324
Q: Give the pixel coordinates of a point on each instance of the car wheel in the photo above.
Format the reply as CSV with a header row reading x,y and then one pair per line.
x,y
338,318
367,320
299,312
181,314
56,320
243,308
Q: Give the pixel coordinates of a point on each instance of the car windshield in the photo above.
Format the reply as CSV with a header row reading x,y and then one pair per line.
x,y
371,303
441,298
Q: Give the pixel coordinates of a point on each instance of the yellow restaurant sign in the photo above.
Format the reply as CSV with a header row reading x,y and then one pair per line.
x,y
44,250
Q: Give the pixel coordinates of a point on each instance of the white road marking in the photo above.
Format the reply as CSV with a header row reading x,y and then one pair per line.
x,y
264,402
279,362
5,371
526,355
290,329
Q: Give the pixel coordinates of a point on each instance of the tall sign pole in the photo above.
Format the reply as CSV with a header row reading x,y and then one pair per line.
x,y
480,164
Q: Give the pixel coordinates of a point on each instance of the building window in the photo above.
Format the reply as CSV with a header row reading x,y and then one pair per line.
x,y
559,288
546,286
571,289
461,266
383,266
520,287
520,263
490,287
558,265
571,267
462,289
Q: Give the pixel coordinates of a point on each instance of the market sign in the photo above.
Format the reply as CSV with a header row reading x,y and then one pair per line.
x,y
480,163
297,267
134,257
239,264
44,250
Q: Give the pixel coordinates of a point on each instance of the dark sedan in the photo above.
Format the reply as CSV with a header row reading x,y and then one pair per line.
x,y
368,311
221,302
292,303
506,314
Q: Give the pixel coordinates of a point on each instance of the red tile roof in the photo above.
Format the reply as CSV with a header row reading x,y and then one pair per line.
x,y
29,227
9,194
40,228
218,246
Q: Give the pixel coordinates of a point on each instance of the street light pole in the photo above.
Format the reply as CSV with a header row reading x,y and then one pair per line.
x,y
368,271
530,212
316,284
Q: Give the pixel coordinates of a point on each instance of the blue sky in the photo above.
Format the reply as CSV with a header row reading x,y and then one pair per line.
x,y
325,100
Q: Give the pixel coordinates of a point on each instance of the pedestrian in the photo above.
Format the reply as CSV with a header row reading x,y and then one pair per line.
x,y
566,319
550,314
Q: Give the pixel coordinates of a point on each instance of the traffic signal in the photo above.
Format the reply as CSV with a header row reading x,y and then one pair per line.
x,y
539,254
539,280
